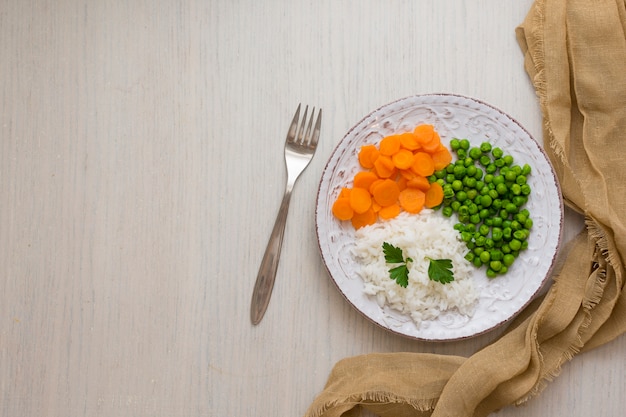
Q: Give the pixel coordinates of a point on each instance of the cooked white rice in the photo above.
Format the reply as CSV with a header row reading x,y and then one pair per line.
x,y
427,234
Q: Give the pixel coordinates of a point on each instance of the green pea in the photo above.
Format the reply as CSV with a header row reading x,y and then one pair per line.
x,y
510,175
455,144
528,224
496,234
459,171
508,259
491,168
520,234
491,273
525,189
526,170
470,182
508,160
471,171
484,160
475,153
511,208
461,153
465,144
485,257
485,147
479,174
515,245
495,265
455,205
497,152
502,189
469,256
497,255
461,196
447,211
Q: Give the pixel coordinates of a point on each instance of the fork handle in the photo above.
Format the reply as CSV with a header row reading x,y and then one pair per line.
x,y
269,265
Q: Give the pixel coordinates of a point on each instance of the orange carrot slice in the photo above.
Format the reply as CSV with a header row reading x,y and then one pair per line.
x,y
434,195
423,164
342,209
363,219
403,159
412,200
389,212
364,179
386,192
389,145
367,155
360,200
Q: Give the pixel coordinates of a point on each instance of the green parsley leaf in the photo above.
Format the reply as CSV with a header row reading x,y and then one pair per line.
x,y
400,274
440,270
394,255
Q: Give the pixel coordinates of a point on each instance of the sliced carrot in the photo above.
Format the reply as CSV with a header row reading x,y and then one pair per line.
x,y
386,192
342,209
409,141
364,219
389,145
374,184
432,145
394,178
403,159
402,182
360,200
389,212
364,179
441,157
406,173
412,200
384,166
424,133
419,182
423,164
434,195
367,155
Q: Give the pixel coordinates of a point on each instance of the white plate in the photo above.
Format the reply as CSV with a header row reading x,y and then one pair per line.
x,y
500,299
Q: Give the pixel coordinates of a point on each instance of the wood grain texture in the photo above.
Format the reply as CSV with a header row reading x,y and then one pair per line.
x,y
141,169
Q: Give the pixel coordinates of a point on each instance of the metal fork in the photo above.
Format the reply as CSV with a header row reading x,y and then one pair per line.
x,y
299,149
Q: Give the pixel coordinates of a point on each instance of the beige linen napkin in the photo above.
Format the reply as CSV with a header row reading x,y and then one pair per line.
x,y
575,55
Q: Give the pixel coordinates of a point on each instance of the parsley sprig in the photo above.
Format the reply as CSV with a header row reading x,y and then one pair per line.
x,y
439,270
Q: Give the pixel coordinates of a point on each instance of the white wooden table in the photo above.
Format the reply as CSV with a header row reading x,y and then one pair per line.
x,y
141,167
